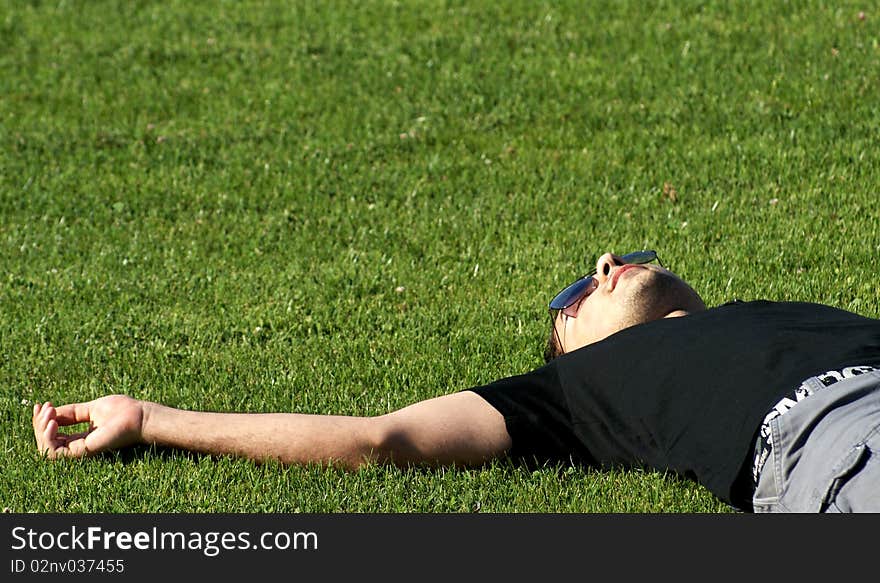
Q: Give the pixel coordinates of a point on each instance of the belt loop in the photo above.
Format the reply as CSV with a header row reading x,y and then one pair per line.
x,y
814,384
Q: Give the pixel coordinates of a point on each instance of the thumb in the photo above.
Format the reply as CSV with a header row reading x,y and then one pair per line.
x,y
73,413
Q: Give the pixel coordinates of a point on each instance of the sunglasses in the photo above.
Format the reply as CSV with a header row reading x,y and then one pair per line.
x,y
584,286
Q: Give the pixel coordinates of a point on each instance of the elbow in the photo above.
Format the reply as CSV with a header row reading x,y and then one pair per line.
x,y
388,442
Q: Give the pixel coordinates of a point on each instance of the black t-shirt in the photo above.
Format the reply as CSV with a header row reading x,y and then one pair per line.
x,y
683,394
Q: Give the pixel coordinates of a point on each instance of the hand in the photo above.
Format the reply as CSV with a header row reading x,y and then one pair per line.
x,y
115,421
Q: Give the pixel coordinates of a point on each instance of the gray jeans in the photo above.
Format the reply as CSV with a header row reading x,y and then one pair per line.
x,y
826,452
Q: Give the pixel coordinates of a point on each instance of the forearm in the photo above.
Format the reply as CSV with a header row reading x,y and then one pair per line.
x,y
290,438
460,428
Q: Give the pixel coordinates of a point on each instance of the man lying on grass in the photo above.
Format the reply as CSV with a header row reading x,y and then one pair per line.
x,y
771,406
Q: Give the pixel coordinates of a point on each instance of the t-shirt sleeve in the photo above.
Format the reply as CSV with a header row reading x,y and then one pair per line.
x,y
537,417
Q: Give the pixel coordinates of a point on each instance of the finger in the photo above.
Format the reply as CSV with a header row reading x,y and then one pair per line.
x,y
41,419
37,409
50,432
47,414
43,434
73,413
78,448
38,432
47,438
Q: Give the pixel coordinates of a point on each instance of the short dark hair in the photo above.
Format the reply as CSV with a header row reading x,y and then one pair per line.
x,y
553,349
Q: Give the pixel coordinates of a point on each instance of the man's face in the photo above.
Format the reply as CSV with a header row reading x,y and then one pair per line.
x,y
625,295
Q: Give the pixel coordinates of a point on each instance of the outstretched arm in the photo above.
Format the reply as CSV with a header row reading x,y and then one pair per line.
x,y
460,428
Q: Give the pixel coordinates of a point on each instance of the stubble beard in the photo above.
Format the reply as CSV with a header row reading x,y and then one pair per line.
x,y
649,297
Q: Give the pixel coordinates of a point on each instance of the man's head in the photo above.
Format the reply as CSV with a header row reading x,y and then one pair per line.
x,y
621,295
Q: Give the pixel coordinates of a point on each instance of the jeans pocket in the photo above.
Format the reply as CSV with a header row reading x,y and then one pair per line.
x,y
827,494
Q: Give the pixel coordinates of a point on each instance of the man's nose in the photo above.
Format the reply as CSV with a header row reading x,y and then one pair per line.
x,y
605,264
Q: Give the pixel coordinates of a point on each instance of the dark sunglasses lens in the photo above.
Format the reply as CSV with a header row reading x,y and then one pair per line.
x,y
639,257
571,294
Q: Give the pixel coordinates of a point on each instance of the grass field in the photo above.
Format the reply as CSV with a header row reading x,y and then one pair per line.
x,y
343,208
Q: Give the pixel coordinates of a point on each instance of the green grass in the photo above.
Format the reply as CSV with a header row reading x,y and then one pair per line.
x,y
345,208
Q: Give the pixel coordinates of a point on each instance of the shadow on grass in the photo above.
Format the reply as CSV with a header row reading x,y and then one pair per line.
x,y
138,453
